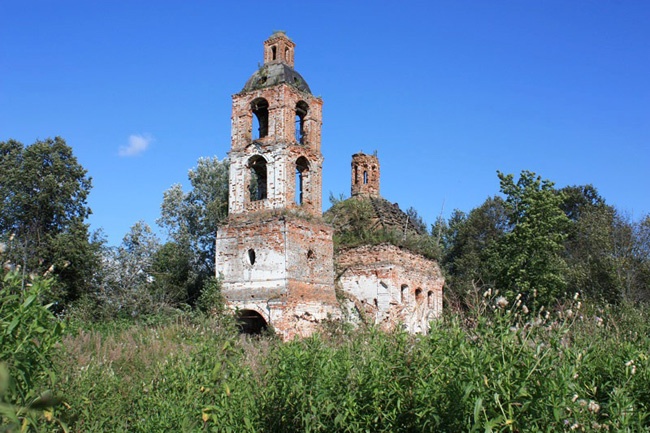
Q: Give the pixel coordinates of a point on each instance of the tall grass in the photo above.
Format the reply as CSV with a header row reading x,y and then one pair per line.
x,y
491,370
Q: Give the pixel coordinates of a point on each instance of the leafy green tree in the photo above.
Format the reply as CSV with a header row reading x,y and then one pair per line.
x,y
191,220
528,259
468,241
590,243
43,209
631,255
127,287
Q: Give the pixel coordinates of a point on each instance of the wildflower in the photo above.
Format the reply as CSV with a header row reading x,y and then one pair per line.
x,y
518,303
575,397
487,293
630,362
501,302
599,321
569,313
633,371
575,426
546,315
578,305
524,309
575,297
518,296
3,247
593,406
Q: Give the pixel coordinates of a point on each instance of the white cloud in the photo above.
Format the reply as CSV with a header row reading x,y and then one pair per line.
x,y
138,143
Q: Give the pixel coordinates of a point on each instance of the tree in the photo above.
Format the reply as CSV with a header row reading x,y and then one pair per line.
x,y
528,259
127,286
592,269
468,241
191,220
43,210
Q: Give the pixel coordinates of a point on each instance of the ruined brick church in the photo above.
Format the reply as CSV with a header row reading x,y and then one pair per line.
x,y
275,254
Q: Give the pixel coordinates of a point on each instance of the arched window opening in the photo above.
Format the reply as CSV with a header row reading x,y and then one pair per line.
x,y
356,174
365,177
260,108
257,184
418,296
301,113
403,293
430,299
251,256
302,174
274,52
251,322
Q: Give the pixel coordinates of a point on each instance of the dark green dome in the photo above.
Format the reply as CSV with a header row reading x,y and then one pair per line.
x,y
272,74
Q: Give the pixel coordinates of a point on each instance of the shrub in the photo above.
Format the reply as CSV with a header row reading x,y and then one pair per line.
x,y
29,333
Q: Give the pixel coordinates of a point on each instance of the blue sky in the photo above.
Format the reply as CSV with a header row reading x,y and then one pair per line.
x,y
447,92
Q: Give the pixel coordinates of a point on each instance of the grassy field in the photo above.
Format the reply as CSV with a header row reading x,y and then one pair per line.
x,y
487,370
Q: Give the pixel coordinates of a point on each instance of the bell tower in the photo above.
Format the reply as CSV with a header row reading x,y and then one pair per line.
x,y
365,175
275,255
275,153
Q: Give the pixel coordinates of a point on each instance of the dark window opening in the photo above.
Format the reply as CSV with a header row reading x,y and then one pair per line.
x,y
302,172
257,185
260,108
365,177
310,254
301,113
251,256
356,174
418,296
251,322
274,52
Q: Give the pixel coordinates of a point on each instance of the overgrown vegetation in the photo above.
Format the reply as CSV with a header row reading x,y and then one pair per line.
x,y
496,368
355,224
29,333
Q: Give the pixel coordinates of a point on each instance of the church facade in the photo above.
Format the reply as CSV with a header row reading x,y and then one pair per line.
x,y
275,255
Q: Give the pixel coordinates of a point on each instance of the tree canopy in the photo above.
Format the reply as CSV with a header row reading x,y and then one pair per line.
x,y
43,208
191,220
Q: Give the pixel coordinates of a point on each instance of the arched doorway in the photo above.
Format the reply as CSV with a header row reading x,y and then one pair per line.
x,y
251,322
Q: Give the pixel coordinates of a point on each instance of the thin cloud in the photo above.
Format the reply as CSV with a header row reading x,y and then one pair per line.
x,y
138,143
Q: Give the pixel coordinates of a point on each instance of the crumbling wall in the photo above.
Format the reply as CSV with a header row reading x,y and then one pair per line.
x,y
391,286
281,266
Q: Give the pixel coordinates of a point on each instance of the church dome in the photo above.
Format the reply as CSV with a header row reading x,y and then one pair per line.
x,y
271,74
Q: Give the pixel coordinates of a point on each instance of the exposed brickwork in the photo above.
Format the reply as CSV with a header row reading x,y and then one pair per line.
x,y
390,286
280,148
275,255
279,49
281,266
365,175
